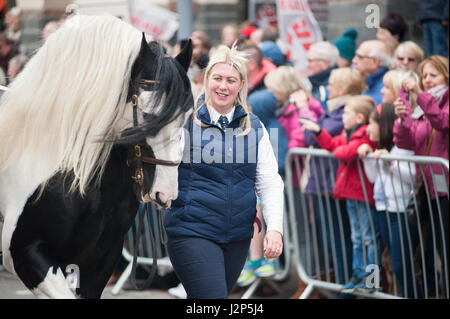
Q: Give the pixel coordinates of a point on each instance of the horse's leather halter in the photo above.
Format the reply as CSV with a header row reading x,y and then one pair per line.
x,y
138,176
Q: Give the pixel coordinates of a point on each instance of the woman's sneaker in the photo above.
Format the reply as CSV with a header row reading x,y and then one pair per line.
x,y
268,268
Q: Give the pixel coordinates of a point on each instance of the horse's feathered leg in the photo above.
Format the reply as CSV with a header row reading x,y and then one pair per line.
x,y
54,286
32,263
33,254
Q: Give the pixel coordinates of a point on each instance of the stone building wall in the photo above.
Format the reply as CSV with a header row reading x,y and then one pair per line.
x,y
35,14
343,14
211,17
334,16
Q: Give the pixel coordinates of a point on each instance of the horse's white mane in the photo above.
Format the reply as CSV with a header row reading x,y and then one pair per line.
x,y
69,97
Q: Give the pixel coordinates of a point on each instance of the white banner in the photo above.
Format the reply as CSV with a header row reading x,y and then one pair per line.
x,y
160,23
298,30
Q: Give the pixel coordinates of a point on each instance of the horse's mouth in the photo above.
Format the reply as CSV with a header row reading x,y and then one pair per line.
x,y
159,204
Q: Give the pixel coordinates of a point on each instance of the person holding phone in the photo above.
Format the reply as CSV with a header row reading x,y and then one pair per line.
x,y
430,126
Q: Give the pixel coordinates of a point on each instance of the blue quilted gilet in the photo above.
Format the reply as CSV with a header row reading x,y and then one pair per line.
x,y
216,181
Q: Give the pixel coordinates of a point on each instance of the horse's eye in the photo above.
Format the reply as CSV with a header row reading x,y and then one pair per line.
x,y
145,115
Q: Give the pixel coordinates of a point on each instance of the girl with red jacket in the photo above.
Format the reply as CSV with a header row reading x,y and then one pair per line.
x,y
364,228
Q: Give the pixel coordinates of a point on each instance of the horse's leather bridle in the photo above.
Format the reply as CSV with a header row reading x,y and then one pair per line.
x,y
138,176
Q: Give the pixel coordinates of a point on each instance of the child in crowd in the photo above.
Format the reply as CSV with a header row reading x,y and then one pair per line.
x,y
364,227
393,182
342,85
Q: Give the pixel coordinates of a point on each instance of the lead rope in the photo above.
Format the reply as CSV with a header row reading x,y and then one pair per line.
x,y
134,101
162,229
136,247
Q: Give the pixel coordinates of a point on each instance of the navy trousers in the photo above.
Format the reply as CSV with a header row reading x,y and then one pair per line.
x,y
206,269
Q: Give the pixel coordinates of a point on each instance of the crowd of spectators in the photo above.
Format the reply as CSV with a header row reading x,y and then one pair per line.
x,y
13,53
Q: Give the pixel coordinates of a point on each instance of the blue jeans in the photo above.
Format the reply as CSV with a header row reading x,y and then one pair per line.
x,y
435,37
397,242
364,233
336,220
206,269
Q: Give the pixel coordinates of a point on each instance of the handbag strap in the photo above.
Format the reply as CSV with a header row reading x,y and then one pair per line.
x,y
427,151
429,142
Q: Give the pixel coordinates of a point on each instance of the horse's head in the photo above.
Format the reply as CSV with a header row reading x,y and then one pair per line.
x,y
160,101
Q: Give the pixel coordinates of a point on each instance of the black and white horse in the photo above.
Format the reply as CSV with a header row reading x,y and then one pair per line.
x,y
94,120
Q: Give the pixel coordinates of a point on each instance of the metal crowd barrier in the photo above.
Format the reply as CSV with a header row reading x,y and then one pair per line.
x,y
320,228
145,252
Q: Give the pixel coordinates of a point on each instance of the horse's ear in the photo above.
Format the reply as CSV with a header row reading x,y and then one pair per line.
x,y
146,52
185,56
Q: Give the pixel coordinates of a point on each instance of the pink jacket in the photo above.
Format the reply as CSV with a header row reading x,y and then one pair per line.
x,y
414,134
289,121
292,127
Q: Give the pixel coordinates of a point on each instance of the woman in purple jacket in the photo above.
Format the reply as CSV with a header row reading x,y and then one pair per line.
x,y
413,131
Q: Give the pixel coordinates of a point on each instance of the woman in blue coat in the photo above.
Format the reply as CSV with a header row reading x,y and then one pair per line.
x,y
227,157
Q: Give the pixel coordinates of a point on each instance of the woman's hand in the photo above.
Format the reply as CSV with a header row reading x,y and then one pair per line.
x,y
410,85
273,244
400,108
300,98
364,149
310,125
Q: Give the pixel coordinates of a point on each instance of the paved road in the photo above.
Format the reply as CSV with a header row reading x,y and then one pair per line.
x,y
12,288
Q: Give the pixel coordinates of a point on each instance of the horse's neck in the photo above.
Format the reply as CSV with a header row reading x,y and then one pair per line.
x,y
116,168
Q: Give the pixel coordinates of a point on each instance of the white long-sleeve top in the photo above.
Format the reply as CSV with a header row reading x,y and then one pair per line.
x,y
392,181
